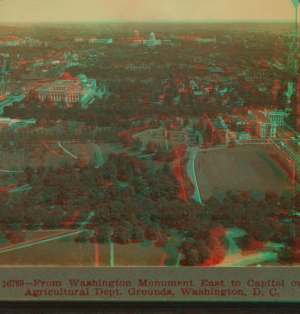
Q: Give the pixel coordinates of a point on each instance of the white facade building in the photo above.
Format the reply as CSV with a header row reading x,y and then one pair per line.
x,y
79,89
264,122
206,40
100,41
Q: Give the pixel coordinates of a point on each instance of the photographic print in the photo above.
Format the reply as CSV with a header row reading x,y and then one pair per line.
x,y
149,150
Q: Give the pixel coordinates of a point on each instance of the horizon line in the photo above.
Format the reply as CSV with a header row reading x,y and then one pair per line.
x,y
147,21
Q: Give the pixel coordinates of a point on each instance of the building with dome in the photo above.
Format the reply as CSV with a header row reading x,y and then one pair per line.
x,y
151,41
73,90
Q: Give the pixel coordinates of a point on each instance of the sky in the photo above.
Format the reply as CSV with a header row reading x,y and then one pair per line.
x,y
144,10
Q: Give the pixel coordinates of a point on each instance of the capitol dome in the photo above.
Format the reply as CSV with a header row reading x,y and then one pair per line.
x,y
137,34
82,77
152,35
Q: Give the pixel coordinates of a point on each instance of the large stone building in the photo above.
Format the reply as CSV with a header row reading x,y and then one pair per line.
x,y
152,41
218,130
70,89
238,127
100,41
206,40
77,39
263,123
289,157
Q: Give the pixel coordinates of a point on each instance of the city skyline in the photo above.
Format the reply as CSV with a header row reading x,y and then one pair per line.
x,y
14,11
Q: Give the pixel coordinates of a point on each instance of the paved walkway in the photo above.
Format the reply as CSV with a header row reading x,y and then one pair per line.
x,y
66,151
191,172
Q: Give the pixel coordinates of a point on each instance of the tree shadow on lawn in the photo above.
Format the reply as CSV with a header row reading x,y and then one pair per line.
x,y
146,243
3,239
66,239
267,159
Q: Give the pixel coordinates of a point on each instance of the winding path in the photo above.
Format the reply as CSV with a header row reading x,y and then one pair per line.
x,y
53,151
192,173
100,157
11,171
66,151
39,241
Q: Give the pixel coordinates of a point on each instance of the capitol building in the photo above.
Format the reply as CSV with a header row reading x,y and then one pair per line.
x,y
151,41
70,89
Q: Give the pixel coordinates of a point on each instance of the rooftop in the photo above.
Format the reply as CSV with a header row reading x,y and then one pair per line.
x,y
219,124
73,86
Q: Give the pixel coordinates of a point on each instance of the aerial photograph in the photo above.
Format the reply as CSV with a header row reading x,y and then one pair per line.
x,y
149,133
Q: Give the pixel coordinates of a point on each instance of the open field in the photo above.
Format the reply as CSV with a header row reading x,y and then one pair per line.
x,y
57,248
147,254
245,168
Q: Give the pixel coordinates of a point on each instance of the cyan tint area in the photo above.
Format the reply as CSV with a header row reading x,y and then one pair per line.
x,y
149,143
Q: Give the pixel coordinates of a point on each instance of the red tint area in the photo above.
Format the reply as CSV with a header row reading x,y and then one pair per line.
x,y
218,252
84,154
8,187
177,173
128,134
256,245
54,152
34,240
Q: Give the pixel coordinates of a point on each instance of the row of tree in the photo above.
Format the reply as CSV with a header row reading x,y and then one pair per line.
x,y
125,200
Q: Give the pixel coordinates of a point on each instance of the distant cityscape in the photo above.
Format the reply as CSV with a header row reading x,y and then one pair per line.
x,y
198,125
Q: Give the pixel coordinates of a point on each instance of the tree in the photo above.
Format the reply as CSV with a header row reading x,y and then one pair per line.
x,y
53,221
103,234
286,256
29,172
203,250
192,258
123,140
151,232
231,143
83,237
136,144
15,236
186,246
110,171
244,242
161,241
15,233
121,235
137,234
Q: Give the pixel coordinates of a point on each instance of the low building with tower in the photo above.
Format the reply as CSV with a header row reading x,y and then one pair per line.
x,y
263,123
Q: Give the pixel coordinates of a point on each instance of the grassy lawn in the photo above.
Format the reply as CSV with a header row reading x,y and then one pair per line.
x,y
246,168
57,248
